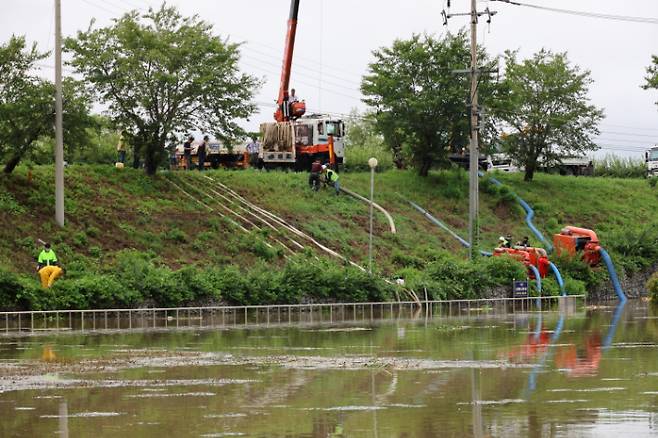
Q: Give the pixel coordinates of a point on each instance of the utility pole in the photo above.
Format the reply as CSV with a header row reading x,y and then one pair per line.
x,y
59,135
473,114
473,150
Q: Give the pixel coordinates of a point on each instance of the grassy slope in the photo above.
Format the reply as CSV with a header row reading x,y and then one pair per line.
x,y
108,210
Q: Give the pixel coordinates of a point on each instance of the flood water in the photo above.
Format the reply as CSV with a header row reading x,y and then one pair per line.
x,y
591,372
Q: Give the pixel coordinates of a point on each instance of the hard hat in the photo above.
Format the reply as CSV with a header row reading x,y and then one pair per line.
x,y
501,238
324,166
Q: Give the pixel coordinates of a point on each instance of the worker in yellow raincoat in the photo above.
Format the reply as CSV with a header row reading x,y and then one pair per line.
x,y
48,266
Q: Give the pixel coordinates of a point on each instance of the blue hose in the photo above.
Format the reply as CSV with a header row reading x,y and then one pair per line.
x,y
613,274
607,342
558,277
530,214
440,224
538,282
446,228
532,377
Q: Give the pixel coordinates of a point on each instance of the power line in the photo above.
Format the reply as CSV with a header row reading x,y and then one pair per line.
x,y
631,127
304,66
646,20
335,84
623,140
315,86
101,7
630,133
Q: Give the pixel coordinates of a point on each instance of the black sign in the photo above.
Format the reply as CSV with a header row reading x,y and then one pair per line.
x,y
520,289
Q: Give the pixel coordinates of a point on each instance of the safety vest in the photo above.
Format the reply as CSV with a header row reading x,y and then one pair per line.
x,y
332,176
47,258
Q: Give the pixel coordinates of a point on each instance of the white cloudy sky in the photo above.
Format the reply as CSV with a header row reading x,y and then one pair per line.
x,y
335,39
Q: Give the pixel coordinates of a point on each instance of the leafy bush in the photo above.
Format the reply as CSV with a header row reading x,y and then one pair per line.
x,y
637,247
620,167
575,287
576,269
652,286
22,292
9,205
502,270
448,278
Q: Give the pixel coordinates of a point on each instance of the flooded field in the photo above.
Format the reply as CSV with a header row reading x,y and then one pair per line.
x,y
586,372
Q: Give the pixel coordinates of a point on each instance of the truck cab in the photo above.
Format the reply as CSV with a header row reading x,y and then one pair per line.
x,y
651,158
297,143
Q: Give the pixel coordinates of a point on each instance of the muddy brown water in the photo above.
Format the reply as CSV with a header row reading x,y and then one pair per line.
x,y
592,372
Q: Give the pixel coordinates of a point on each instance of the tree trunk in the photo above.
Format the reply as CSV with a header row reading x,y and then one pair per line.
x,y
425,167
530,168
11,164
136,157
398,158
152,156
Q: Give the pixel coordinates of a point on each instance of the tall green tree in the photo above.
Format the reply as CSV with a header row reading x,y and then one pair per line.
x,y
544,108
27,105
652,75
160,73
418,102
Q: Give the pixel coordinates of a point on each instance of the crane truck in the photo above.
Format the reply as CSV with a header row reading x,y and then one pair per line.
x,y
651,158
295,139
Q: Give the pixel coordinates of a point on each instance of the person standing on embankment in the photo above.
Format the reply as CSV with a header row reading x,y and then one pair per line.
x,y
201,152
187,152
48,267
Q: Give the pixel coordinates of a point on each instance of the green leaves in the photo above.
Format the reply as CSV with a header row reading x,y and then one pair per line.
x,y
544,107
27,105
652,75
417,100
162,73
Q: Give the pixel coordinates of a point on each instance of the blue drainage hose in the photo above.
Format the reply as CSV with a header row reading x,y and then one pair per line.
x,y
538,282
465,244
530,215
613,275
446,228
610,336
440,224
532,377
558,277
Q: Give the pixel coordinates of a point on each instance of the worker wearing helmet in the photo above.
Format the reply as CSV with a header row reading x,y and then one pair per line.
x,y
48,267
502,242
331,178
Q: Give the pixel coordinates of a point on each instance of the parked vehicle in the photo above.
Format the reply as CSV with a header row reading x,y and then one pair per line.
x,y
217,154
651,157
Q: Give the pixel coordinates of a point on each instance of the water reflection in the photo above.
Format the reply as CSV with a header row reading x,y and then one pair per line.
x,y
476,375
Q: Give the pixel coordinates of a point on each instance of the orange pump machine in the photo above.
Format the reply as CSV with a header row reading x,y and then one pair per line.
x,y
574,240
536,257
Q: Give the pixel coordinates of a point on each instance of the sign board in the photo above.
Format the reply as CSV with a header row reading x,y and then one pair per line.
x,y
520,289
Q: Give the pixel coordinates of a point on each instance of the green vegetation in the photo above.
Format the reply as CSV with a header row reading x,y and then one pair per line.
x,y
619,167
161,73
27,105
652,286
543,102
417,102
652,75
137,240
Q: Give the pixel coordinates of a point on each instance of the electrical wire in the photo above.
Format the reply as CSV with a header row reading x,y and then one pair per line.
x,y
646,20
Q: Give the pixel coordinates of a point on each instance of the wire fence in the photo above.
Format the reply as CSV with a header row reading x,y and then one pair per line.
x,y
53,321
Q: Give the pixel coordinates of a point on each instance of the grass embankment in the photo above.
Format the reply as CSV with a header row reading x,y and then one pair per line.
x,y
133,240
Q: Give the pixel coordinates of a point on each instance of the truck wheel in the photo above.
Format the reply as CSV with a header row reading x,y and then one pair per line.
x,y
214,164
